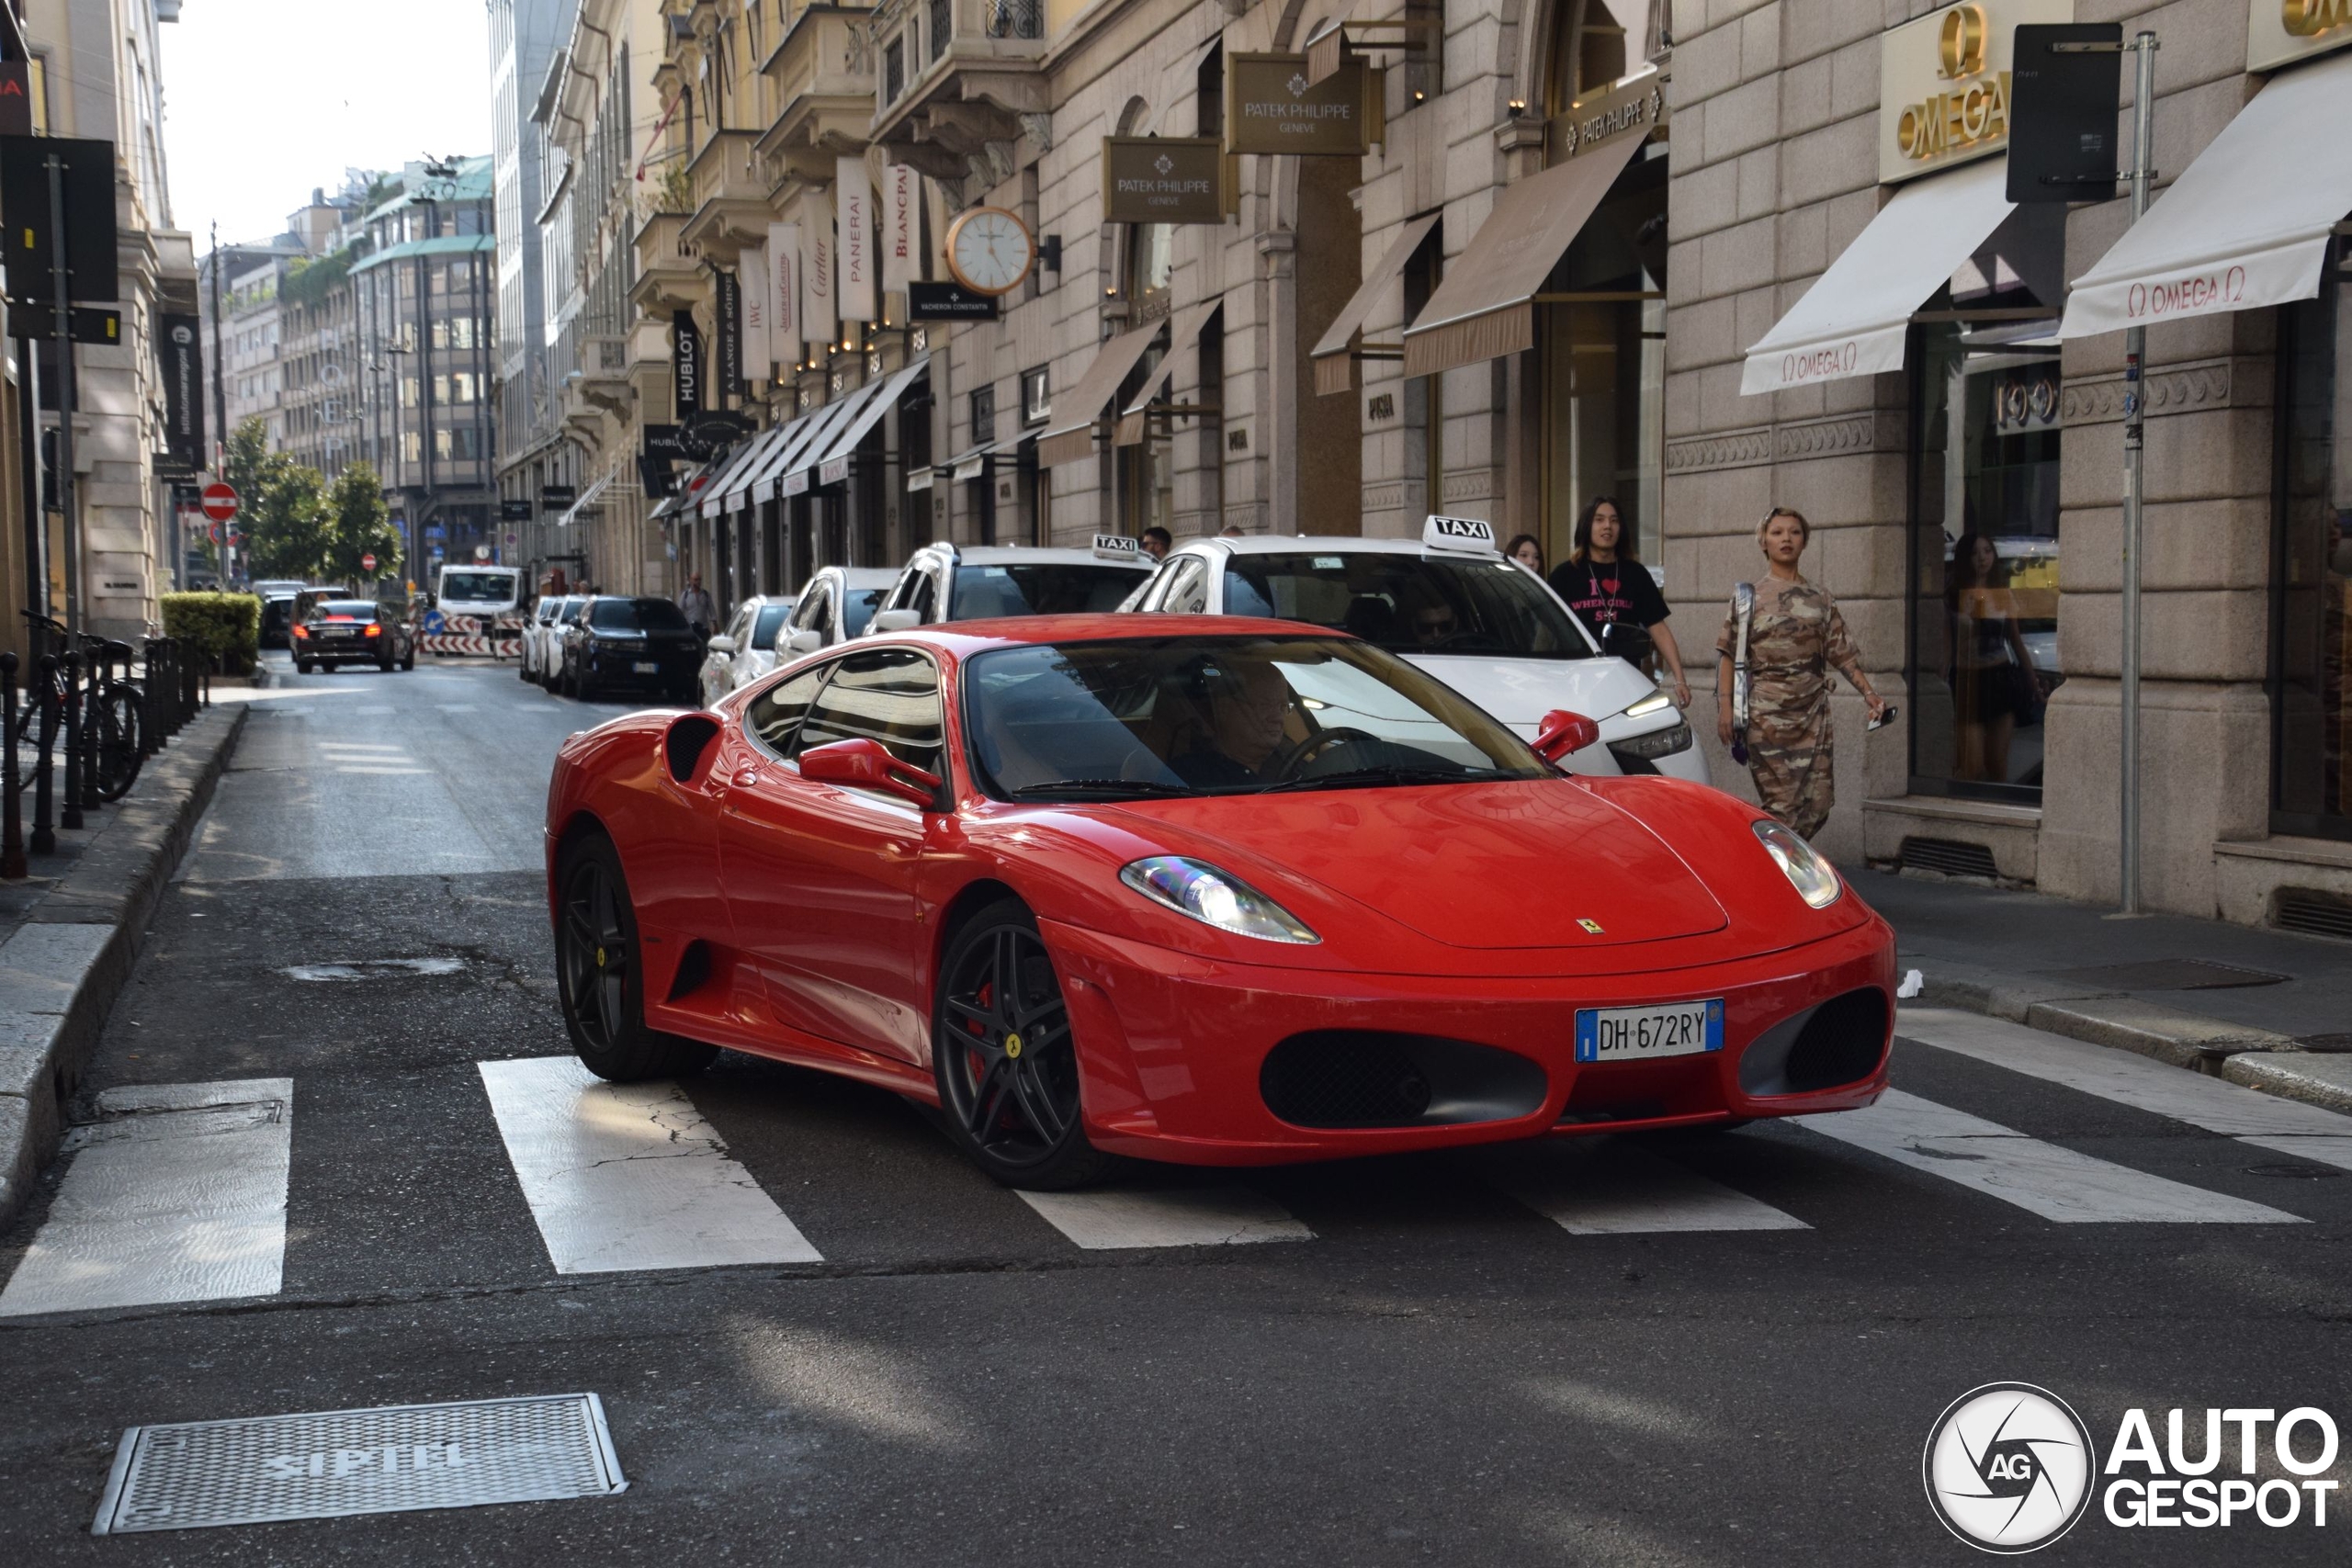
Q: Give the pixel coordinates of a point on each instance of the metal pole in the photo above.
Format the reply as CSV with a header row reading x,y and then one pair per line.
x,y
35,514
219,407
44,826
2135,348
12,811
63,328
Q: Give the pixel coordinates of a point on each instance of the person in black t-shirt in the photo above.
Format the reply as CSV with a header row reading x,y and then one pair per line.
x,y
1603,582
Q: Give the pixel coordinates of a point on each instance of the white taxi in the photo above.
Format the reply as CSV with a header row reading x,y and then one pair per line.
x,y
973,583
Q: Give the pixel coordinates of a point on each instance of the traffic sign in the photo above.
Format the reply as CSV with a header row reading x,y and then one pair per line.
x,y
367,561
219,501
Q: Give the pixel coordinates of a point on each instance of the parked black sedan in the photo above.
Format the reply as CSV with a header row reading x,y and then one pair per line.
x,y
354,631
623,644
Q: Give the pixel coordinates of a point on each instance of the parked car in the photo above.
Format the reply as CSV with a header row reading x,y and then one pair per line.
x,y
354,631
1255,877
746,649
618,643
540,634
1450,603
278,617
942,582
834,606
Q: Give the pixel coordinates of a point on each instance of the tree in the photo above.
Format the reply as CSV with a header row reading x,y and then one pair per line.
x,y
288,523
360,523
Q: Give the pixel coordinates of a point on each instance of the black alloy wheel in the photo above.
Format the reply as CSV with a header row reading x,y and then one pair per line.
x,y
599,977
1005,1059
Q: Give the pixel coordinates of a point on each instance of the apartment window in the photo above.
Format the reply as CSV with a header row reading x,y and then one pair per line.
x,y
1036,395
943,26
441,442
412,445
894,69
983,414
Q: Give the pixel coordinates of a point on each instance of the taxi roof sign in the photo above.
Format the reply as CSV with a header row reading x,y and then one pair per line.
x,y
1118,547
1467,535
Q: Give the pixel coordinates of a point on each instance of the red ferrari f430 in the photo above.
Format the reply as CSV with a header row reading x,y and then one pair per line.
x,y
1217,892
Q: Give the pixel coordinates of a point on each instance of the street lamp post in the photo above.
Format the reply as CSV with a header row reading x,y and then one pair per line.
x,y
2135,348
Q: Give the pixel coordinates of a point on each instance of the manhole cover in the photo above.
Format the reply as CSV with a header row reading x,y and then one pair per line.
x,y
2167,975
339,1462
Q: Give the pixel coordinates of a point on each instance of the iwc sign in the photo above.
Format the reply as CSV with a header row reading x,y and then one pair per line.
x,y
1944,85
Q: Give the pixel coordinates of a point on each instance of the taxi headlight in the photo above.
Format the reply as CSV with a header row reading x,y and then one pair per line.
x,y
1649,704
1814,878
1214,897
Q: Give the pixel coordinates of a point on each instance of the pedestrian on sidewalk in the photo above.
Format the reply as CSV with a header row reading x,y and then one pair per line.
x,y
1605,583
1527,551
1795,638
695,606
1158,542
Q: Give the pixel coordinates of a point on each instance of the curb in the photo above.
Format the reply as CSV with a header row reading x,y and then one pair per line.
x,y
62,969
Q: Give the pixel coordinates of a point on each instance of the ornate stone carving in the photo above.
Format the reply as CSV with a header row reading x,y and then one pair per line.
x,y
1470,484
2177,390
1728,449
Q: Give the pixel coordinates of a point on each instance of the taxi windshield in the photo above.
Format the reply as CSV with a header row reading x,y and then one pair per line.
x,y
1409,604
1057,588
1120,720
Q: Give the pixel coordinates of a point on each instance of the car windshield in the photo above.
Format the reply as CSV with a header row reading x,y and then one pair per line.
x,y
362,608
636,616
477,587
1221,715
1408,603
1066,587
770,621
858,605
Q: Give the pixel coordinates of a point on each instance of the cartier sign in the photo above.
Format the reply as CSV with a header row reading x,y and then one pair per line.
x,y
2278,32
1944,83
1270,106
1164,179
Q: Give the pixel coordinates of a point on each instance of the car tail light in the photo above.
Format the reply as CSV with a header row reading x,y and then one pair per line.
x,y
375,631
302,631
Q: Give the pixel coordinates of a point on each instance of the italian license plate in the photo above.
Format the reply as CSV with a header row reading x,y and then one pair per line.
x,y
646,667
1670,1029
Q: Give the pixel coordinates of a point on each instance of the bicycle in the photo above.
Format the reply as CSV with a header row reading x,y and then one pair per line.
x,y
110,712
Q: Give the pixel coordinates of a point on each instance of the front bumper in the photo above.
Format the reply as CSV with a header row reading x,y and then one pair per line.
x,y
1172,1047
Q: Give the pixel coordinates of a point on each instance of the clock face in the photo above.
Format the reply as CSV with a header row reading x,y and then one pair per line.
x,y
989,250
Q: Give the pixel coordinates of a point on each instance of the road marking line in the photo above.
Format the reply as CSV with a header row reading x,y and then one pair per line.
x,y
2048,1179
1223,1215
629,1175
1620,1189
178,1196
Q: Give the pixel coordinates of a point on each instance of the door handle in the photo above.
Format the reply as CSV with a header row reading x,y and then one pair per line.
x,y
746,777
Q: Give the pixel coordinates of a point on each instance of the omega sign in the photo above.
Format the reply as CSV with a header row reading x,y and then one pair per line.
x,y
1820,364
1944,83
2280,32
2223,290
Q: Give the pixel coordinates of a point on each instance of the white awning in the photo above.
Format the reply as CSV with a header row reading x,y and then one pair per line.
x,y
2246,223
1071,437
587,501
768,482
739,478
1853,320
1183,333
715,493
800,469
832,464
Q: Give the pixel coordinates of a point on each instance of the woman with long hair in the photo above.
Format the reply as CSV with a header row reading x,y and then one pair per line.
x,y
1795,638
1527,550
1992,669
1604,582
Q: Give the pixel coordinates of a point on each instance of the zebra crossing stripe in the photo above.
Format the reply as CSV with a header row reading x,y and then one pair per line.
x,y
1622,1189
1114,1218
629,1175
2054,1182
177,1194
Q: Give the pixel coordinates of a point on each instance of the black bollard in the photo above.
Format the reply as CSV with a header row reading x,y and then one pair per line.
x,y
12,793
70,705
44,833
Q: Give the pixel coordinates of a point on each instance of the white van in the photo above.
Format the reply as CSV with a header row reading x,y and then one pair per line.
x,y
477,602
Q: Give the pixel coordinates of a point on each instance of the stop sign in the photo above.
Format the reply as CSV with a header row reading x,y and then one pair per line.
x,y
219,501
367,561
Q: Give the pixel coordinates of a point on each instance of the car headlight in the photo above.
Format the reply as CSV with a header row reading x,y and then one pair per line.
x,y
1657,743
1649,704
1214,897
1814,879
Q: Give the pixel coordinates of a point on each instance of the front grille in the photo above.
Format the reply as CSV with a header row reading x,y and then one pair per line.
x,y
1343,1081
2311,912
1839,1042
1952,857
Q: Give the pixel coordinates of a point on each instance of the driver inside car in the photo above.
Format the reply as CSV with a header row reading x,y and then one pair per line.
x,y
1245,708
1433,624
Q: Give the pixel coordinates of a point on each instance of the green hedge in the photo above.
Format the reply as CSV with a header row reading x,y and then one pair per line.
x,y
226,625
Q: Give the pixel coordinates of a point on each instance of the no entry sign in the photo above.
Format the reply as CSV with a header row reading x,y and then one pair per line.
x,y
367,561
219,501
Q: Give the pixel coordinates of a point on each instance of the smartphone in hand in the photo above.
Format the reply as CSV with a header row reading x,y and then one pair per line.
x,y
1885,717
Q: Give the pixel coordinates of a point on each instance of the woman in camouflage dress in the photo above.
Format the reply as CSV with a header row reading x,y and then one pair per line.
x,y
1795,638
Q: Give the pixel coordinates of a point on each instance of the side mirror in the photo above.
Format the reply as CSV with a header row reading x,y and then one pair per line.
x,y
808,639
886,621
864,764
1563,733
721,644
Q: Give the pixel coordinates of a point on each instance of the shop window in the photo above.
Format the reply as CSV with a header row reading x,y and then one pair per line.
x,y
1984,548
2312,578
1036,395
1151,266
983,414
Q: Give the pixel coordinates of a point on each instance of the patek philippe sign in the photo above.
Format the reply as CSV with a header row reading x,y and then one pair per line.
x,y
686,365
1944,85
1270,106
1633,108
179,339
2280,32
1164,179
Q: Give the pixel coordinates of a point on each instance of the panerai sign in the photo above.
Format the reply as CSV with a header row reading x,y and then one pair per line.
x,y
1944,85
1270,106
1164,179
2280,31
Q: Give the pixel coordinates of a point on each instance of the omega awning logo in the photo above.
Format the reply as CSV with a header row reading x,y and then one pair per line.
x,y
2185,295
1816,364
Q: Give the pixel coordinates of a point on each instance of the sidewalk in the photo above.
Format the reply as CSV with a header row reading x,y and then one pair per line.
x,y
2270,1010
70,931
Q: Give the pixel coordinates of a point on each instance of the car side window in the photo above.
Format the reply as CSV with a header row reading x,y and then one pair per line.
x,y
1188,589
771,718
890,694
924,597
810,611
741,626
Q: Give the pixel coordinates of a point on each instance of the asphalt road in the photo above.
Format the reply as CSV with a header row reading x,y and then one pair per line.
x,y
1403,1361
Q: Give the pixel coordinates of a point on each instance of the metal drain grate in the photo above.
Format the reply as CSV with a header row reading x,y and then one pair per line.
x,y
339,1462
2313,912
1949,856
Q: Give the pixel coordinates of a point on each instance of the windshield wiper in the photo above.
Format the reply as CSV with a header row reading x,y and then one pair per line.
x,y
1353,778
1096,787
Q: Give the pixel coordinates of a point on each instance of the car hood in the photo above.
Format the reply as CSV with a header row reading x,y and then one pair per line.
x,y
1520,691
1442,859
